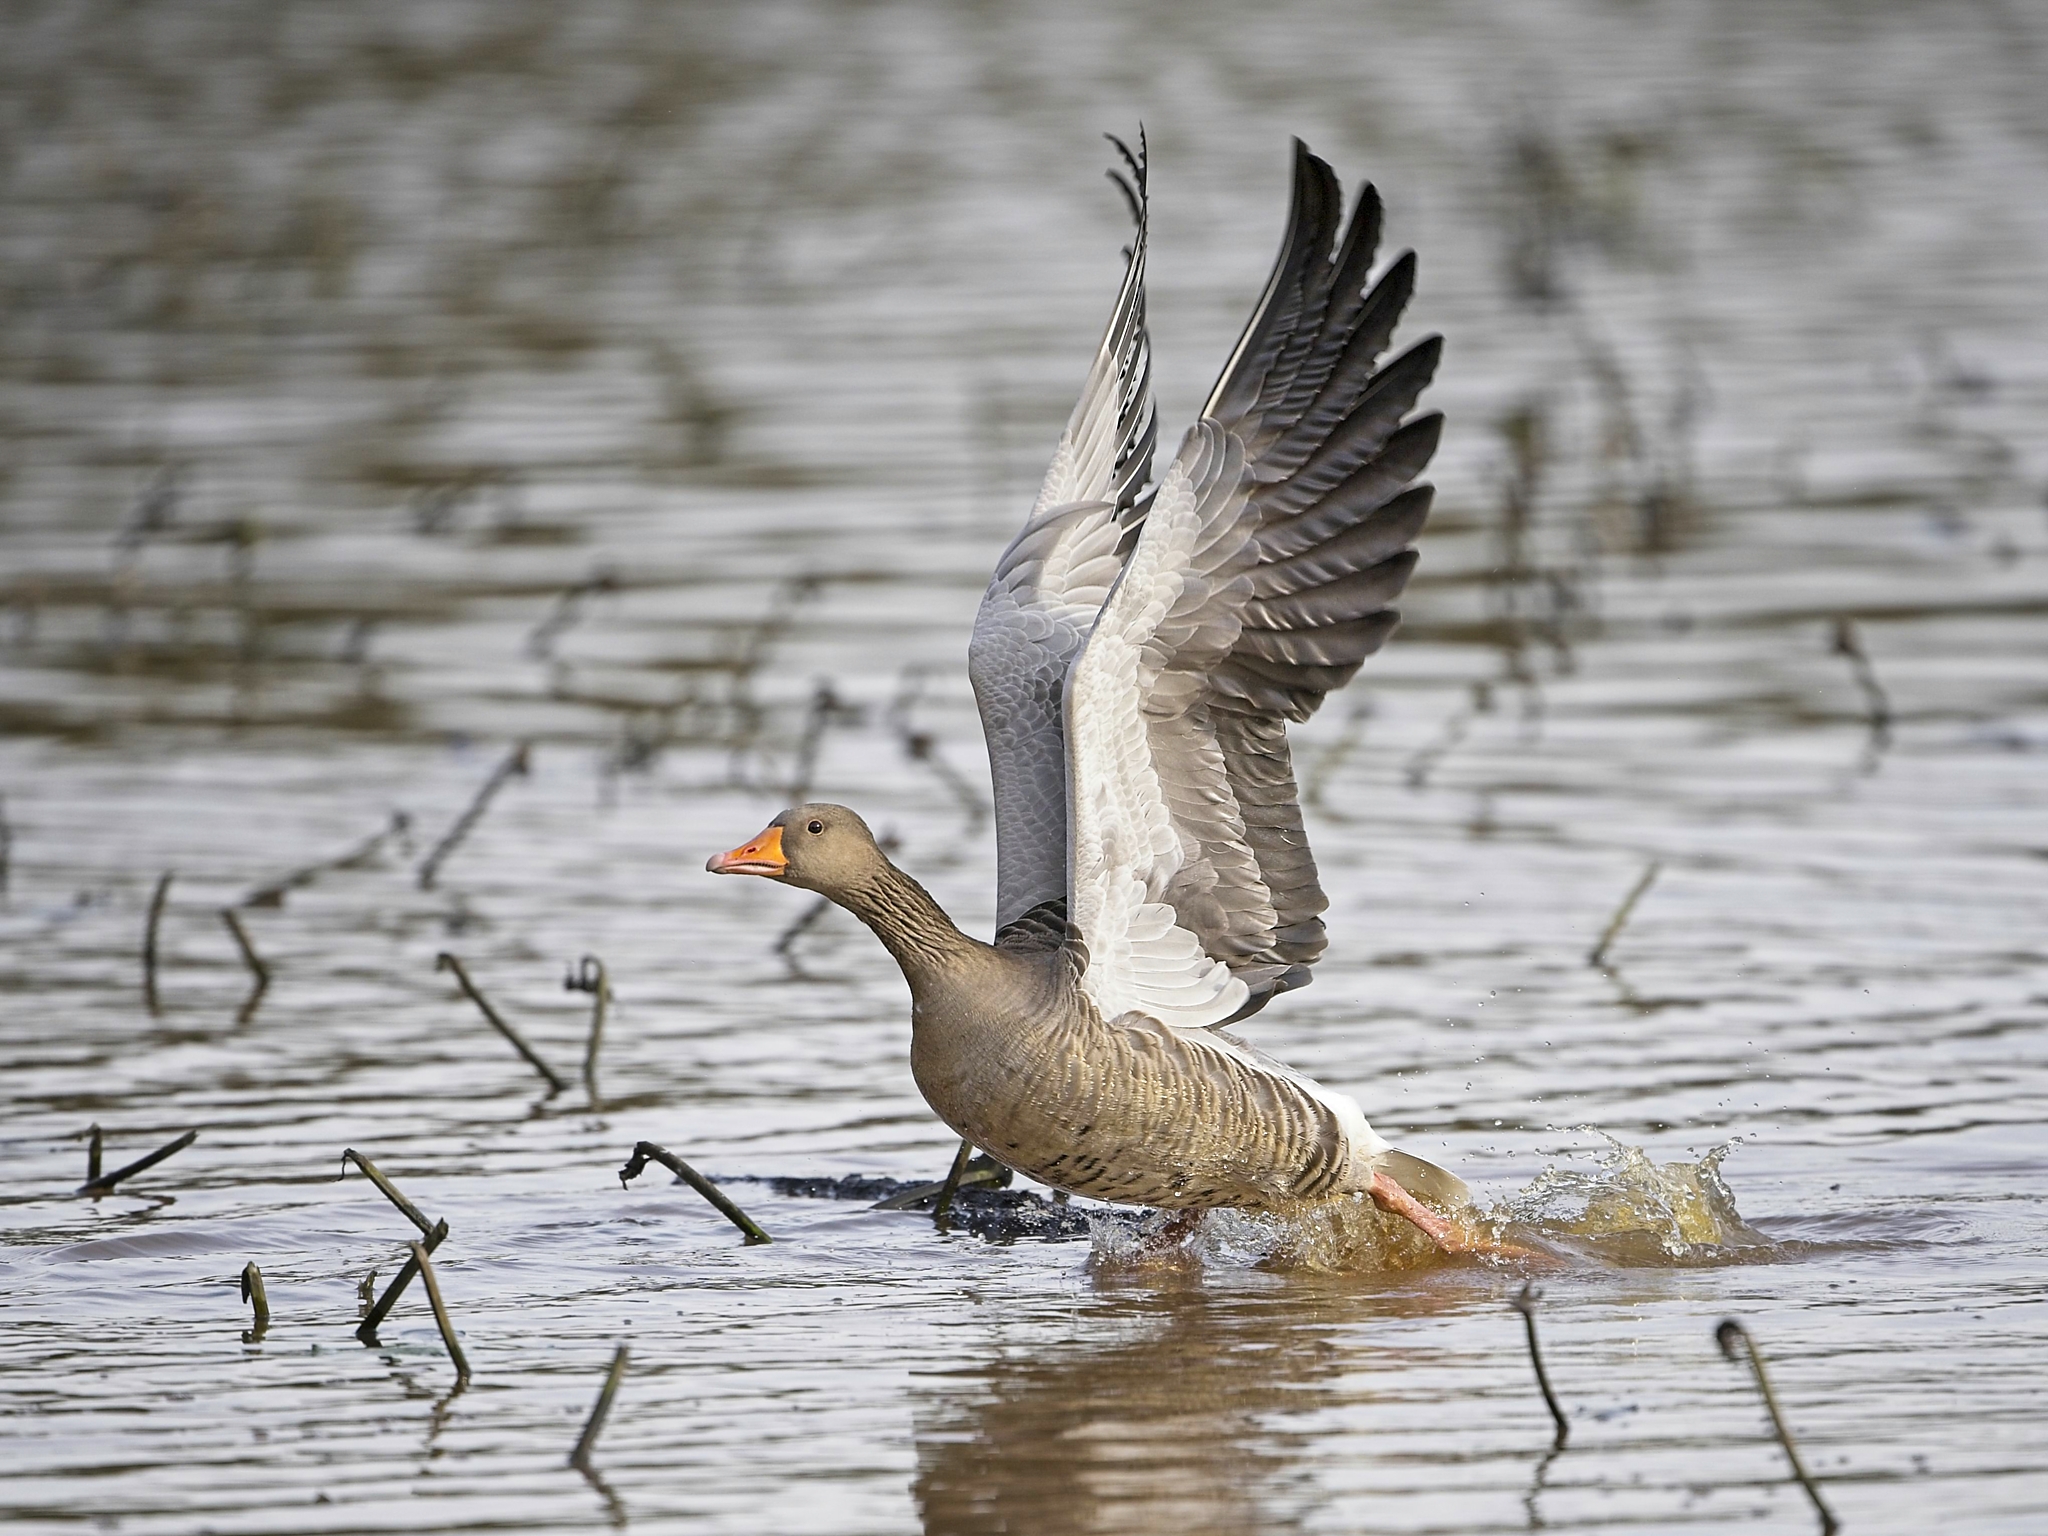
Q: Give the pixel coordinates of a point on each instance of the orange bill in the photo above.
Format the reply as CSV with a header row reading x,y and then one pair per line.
x,y
762,856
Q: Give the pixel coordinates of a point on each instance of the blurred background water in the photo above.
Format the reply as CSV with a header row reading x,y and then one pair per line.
x,y
385,386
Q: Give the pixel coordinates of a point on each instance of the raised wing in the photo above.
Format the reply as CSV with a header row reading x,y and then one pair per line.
x,y
1264,575
1048,587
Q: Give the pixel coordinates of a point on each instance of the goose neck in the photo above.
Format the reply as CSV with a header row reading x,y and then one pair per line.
x,y
912,927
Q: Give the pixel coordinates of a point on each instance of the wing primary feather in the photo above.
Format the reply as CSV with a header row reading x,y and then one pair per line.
x,y
1300,516
1253,578
1264,331
1366,536
1388,397
1350,375
1347,295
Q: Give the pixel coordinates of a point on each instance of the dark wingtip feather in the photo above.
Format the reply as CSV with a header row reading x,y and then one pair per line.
x,y
1135,187
1291,290
1138,163
1130,197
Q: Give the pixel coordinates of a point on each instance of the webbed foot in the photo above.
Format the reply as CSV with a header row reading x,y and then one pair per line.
x,y
1450,1235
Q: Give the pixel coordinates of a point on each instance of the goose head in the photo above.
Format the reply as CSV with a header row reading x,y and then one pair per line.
x,y
823,848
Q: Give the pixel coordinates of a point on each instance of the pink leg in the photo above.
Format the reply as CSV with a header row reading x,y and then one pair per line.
x,y
1445,1233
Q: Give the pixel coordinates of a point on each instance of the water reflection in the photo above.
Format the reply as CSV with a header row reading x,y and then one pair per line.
x,y
1168,1427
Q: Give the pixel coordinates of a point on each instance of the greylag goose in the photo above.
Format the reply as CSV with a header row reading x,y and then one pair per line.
x,y
1136,660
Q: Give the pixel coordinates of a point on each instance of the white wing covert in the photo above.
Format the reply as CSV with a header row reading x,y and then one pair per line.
x,y
1262,577
1047,589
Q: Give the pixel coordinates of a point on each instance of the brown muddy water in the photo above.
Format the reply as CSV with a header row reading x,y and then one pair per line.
x,y
384,386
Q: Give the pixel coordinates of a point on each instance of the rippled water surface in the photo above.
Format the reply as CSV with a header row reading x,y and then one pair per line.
x,y
382,387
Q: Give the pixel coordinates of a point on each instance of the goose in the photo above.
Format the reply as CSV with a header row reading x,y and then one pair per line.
x,y
1136,660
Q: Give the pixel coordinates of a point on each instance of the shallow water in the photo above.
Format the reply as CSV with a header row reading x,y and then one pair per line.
x,y
339,345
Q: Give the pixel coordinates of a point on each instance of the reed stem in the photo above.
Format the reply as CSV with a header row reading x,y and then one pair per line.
x,y
1424,762
600,1411
274,892
568,609
103,1183
367,1329
1726,1335
952,1183
252,1292
1877,705
389,1190
1524,1302
989,1172
1598,954
646,1151
590,977
447,962
426,1265
251,959
798,927
923,747
149,931
517,761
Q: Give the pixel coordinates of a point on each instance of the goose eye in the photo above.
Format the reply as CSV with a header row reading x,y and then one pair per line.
x,y
816,827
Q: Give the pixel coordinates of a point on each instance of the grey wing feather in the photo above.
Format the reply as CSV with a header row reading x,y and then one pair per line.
x,y
1043,599
1282,530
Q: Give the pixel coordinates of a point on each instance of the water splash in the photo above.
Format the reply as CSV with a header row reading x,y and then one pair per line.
x,y
1346,1235
1629,1210
1626,1211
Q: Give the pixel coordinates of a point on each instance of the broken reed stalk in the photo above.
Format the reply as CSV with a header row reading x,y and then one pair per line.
x,y
1524,1302
799,926
149,931
1425,761
600,1411
386,1187
274,893
426,1268
367,1329
447,962
923,747
1726,1335
6,847
990,1172
251,959
252,1292
952,1183
743,711
517,761
1877,704
366,1292
1598,954
646,1151
92,1154
590,977
105,1182
540,644
825,706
